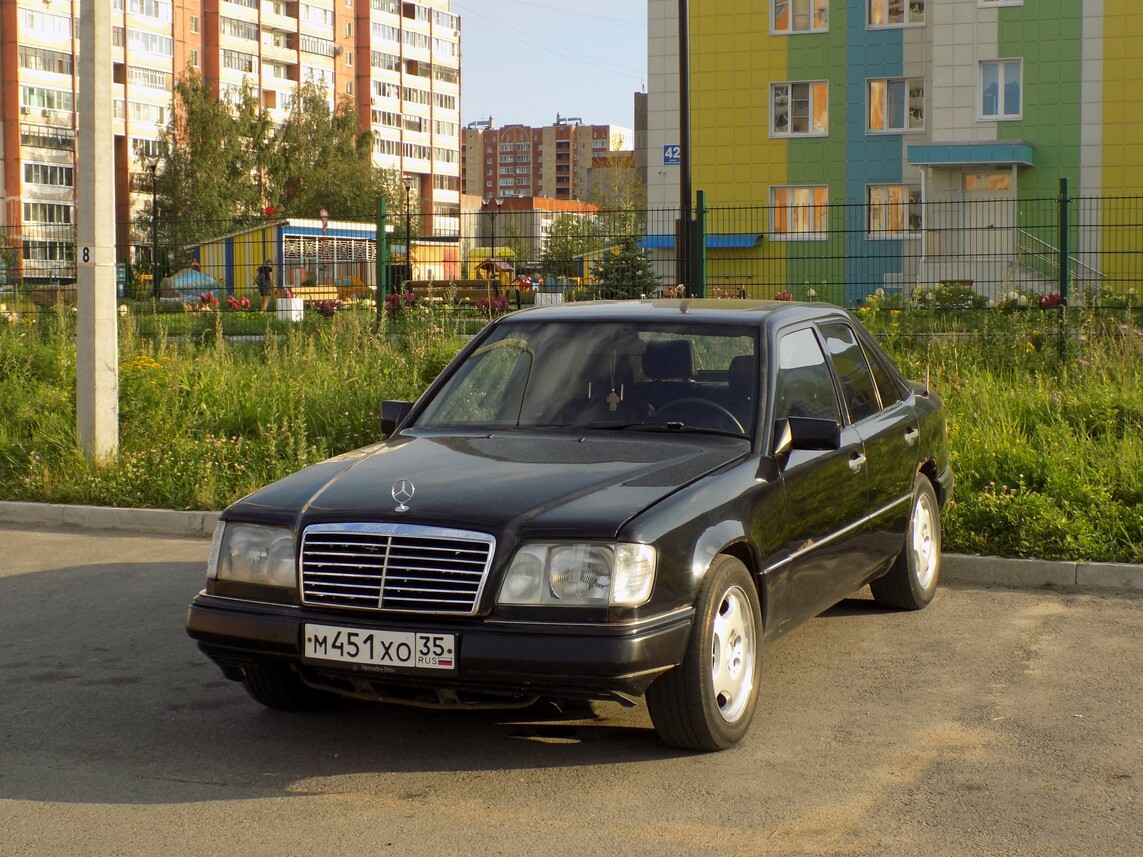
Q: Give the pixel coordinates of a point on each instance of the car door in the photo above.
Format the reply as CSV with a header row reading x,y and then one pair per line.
x,y
889,430
825,489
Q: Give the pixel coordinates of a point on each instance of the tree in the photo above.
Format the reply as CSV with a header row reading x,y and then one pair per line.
x,y
625,273
203,179
621,195
569,240
224,162
322,159
517,245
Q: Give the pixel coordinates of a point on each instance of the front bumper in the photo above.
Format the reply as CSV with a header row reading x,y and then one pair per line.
x,y
518,658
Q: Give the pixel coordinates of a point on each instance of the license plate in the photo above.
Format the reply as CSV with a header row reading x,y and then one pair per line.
x,y
399,649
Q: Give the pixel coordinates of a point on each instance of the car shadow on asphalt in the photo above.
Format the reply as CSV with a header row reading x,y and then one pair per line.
x,y
111,700
858,604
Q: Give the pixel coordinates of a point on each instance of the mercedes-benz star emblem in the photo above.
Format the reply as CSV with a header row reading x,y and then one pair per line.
x,y
402,492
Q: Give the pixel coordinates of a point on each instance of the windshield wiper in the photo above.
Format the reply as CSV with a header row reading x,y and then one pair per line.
x,y
668,426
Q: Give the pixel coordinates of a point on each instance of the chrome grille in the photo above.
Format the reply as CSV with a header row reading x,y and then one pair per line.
x,y
394,567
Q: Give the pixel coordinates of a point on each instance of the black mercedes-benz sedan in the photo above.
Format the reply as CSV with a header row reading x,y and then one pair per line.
x,y
599,501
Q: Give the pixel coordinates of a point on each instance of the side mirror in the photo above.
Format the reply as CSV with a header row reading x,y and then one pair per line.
x,y
805,433
783,438
393,413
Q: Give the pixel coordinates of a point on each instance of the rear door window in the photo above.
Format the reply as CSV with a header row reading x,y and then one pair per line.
x,y
852,368
805,386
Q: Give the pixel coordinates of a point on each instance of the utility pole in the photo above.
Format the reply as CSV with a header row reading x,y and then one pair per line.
x,y
408,229
97,335
684,232
153,166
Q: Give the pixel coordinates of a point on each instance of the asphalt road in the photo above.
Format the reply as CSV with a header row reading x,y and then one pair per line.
x,y
995,723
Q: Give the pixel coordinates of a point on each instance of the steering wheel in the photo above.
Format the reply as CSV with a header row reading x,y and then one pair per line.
x,y
704,412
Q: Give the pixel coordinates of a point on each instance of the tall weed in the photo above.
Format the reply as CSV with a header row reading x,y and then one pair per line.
x,y
1046,429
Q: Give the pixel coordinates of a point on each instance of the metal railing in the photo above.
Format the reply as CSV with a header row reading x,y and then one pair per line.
x,y
990,252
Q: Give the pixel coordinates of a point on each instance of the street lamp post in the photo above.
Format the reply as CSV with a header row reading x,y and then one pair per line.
x,y
408,229
493,205
153,166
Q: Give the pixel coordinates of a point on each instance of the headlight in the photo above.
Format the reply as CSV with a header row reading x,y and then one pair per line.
x,y
580,575
251,553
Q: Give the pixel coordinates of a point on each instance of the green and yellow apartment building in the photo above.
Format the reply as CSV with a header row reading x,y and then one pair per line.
x,y
846,146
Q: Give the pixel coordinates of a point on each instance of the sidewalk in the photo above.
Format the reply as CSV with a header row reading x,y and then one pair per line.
x,y
955,568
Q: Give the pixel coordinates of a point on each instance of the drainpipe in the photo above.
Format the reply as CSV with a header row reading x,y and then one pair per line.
x,y
924,221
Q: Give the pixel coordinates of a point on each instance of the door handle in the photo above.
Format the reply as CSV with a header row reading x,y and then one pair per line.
x,y
856,462
911,436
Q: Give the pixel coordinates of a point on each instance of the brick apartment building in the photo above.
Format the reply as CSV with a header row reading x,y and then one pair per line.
x,y
397,60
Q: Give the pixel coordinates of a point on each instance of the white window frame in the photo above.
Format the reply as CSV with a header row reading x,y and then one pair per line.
x,y
909,8
818,17
812,209
902,206
913,85
790,93
999,116
986,4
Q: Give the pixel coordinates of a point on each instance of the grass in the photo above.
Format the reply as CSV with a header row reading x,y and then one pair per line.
x,y
1046,428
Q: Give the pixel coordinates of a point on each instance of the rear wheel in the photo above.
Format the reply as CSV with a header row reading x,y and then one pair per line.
x,y
912,581
707,702
278,686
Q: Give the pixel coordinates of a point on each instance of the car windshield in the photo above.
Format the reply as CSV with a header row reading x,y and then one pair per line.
x,y
608,376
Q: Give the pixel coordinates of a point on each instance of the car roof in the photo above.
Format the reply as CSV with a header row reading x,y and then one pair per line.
x,y
695,311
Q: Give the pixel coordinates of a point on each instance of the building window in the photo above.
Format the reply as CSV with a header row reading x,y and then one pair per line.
x,y
150,43
240,29
44,98
800,16
194,57
46,212
194,24
315,15
55,175
799,109
41,59
986,3
897,104
896,13
349,58
238,61
799,213
893,210
996,181
1000,86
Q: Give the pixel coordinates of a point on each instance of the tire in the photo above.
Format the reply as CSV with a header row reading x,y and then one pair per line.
x,y
277,686
707,702
912,581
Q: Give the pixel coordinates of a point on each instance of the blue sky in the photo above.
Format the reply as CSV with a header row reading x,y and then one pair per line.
x,y
522,62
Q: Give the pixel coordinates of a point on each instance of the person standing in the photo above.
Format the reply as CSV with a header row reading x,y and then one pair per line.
x,y
265,282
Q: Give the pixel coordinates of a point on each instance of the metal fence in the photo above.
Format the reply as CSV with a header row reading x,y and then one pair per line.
x,y
947,254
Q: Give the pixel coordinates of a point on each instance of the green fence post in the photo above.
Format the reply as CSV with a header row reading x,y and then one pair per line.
x,y
1063,260
699,254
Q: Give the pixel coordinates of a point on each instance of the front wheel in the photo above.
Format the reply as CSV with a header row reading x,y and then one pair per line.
x,y
912,581
707,702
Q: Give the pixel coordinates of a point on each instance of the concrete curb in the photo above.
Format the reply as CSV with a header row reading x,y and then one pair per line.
x,y
955,568
63,517
1032,573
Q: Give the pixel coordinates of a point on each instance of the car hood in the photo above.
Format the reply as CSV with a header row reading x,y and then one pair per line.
x,y
528,482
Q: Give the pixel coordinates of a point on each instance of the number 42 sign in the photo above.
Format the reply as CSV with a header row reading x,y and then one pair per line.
x,y
672,154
